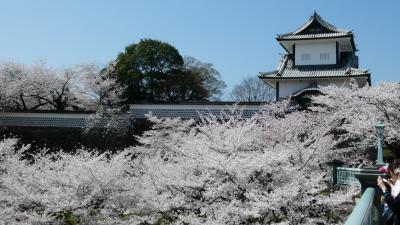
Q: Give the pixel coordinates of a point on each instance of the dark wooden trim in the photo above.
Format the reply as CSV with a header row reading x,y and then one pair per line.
x,y
277,91
294,54
284,48
353,44
318,66
369,80
337,53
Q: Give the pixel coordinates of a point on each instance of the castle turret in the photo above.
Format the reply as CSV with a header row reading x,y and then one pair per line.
x,y
317,54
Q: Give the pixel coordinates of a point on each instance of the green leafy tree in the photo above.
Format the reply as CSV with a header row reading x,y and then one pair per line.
x,y
184,85
154,71
143,66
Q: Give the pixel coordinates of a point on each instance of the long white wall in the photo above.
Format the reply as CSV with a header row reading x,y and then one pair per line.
x,y
136,111
220,106
49,119
192,111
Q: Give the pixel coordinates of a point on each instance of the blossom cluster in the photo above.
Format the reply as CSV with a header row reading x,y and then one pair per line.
x,y
268,169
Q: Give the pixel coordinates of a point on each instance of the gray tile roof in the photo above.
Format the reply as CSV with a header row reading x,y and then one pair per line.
x,y
303,33
287,70
297,93
313,36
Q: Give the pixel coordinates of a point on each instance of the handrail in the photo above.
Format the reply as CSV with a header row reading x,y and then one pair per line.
x,y
365,212
345,176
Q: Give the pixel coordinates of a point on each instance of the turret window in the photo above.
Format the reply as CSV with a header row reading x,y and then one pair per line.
x,y
305,57
324,56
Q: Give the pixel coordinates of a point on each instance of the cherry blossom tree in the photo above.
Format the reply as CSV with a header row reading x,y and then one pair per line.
x,y
54,188
105,95
15,83
221,170
37,87
268,169
239,171
81,87
354,112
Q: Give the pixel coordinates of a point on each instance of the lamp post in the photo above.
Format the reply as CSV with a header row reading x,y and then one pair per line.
x,y
368,175
379,131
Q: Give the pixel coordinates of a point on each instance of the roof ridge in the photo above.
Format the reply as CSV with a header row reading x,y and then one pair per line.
x,y
328,25
321,21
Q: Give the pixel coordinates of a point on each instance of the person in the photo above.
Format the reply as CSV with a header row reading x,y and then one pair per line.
x,y
391,189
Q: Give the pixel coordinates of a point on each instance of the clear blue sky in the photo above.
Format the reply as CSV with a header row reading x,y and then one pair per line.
x,y
238,37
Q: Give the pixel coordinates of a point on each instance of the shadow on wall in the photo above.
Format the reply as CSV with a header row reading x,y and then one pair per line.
x,y
70,139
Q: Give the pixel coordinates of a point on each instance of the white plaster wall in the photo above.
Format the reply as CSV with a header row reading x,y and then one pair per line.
x,y
315,49
343,82
288,87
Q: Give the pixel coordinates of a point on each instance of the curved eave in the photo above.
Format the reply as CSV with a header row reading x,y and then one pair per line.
x,y
280,38
272,73
305,90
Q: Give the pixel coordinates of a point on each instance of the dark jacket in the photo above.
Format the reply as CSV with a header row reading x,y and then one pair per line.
x,y
394,205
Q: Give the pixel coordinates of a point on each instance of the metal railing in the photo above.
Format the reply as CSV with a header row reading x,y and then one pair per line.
x,y
365,212
345,176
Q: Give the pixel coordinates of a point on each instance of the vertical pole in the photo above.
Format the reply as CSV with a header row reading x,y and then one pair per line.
x,y
333,170
277,91
379,130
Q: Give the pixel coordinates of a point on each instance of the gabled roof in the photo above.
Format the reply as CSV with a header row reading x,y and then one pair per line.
x,y
287,70
315,28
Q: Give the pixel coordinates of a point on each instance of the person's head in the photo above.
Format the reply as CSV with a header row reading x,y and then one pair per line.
x,y
394,170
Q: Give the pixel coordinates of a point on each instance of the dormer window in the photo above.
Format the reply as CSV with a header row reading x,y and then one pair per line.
x,y
324,56
305,57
